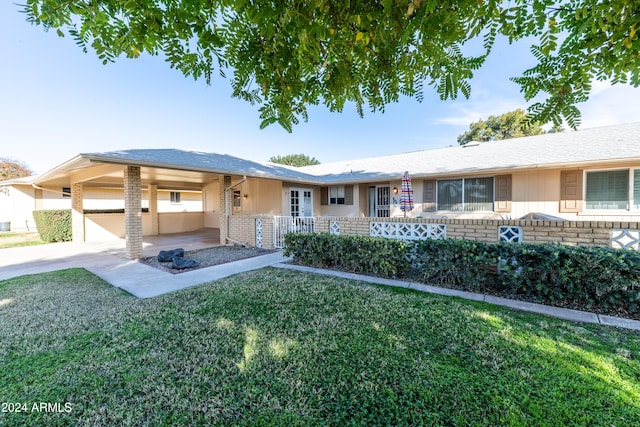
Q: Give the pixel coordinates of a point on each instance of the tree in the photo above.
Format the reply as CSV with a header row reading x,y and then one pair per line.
x,y
10,169
514,124
289,54
556,129
296,160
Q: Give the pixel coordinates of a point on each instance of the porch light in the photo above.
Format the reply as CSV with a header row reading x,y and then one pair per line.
x,y
395,190
246,196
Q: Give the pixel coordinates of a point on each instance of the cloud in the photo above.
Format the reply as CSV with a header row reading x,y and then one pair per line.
x,y
467,113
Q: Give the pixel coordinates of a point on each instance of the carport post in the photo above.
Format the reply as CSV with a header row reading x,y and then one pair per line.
x,y
153,208
133,212
224,181
77,213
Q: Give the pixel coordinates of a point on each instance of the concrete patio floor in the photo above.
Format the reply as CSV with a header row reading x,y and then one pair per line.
x,y
108,261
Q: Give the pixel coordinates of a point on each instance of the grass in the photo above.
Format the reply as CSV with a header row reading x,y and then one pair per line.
x,y
277,347
12,240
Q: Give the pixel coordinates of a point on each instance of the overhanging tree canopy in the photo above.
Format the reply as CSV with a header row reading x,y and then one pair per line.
x,y
285,55
514,124
296,160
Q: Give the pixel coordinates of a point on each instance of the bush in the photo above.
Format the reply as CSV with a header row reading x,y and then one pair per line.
x,y
594,278
358,254
53,225
589,278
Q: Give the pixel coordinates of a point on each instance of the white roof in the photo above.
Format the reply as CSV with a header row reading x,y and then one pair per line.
x,y
567,149
578,148
200,161
26,180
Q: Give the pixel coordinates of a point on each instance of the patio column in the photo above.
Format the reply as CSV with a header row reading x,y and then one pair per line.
x,y
153,208
77,212
133,212
225,207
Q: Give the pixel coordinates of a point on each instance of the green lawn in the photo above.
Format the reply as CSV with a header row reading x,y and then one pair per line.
x,y
11,239
277,347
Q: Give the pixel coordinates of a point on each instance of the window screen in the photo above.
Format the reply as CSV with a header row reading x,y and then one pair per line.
x,y
608,190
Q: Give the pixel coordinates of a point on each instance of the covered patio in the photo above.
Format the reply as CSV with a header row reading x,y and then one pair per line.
x,y
123,180
151,245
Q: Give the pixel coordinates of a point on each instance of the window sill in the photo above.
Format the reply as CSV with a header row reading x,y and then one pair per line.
x,y
608,212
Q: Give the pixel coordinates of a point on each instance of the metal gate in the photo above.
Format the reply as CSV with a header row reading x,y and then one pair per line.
x,y
289,224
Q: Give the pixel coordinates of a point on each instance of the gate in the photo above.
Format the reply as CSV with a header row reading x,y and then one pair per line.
x,y
289,224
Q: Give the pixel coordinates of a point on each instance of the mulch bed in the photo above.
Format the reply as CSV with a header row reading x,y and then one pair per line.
x,y
209,257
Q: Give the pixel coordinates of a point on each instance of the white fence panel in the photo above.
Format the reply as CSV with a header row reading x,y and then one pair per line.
x,y
407,230
289,224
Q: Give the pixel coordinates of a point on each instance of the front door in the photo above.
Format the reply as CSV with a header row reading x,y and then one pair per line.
x,y
379,201
300,202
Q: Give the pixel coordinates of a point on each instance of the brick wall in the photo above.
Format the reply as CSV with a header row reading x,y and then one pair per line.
x,y
242,228
132,212
77,213
582,233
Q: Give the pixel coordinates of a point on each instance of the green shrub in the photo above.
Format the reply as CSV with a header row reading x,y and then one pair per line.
x,y
594,278
589,278
358,254
53,225
463,264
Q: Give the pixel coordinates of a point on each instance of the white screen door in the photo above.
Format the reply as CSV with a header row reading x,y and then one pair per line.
x,y
383,201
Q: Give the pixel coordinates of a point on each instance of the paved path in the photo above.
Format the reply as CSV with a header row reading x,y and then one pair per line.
x,y
107,260
561,313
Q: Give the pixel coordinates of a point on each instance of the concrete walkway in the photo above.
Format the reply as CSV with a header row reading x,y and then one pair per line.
x,y
560,313
107,261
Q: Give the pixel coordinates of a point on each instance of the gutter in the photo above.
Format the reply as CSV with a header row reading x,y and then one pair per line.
x,y
50,191
227,215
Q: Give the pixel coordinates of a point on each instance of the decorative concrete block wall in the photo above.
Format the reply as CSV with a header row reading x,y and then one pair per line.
x,y
581,233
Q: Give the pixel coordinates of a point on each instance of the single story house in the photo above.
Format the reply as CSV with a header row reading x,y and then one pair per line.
x,y
588,175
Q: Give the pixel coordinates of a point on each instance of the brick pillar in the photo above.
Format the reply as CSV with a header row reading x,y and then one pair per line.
x,y
132,212
153,208
77,213
225,207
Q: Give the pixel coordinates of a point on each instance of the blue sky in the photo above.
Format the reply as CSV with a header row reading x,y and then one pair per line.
x,y
56,102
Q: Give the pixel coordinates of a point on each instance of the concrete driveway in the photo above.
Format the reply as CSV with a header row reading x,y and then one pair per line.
x,y
107,260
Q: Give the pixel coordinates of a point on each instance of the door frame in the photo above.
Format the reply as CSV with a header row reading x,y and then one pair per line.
x,y
301,194
374,195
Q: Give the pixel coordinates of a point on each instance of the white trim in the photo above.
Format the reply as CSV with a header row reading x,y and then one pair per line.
x,y
493,199
302,213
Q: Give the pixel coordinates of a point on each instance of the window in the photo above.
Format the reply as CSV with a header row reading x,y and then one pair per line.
x,y
236,198
450,195
336,195
469,194
174,196
66,191
613,189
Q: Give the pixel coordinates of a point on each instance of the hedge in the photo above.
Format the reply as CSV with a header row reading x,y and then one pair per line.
x,y
597,279
53,225
358,254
